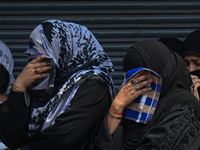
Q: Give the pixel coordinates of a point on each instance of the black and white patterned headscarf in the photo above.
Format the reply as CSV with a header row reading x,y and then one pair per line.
x,y
71,46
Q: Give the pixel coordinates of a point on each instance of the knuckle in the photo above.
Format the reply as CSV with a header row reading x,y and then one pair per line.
x,y
144,89
136,80
41,63
42,75
128,84
28,66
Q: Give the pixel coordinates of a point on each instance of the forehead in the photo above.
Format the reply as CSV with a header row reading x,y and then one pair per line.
x,y
191,57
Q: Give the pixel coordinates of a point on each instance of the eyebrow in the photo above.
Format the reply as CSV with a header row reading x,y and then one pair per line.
x,y
193,59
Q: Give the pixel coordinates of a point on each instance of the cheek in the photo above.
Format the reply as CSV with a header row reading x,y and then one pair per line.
x,y
193,67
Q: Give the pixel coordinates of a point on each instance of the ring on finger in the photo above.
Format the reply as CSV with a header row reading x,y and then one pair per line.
x,y
193,81
36,70
137,86
133,81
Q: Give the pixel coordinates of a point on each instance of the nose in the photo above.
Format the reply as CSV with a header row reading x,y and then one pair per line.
x,y
192,67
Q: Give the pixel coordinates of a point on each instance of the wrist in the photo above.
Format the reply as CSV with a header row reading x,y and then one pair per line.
x,y
18,88
117,107
26,94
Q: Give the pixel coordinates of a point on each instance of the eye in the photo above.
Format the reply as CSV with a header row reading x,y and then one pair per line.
x,y
197,62
187,62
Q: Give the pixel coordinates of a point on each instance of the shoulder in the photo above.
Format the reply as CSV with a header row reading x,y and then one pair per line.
x,y
93,84
92,91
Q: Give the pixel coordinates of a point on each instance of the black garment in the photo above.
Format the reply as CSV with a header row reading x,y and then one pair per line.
x,y
178,130
72,130
191,44
175,100
173,44
176,79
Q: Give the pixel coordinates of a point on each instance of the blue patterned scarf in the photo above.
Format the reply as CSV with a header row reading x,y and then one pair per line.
x,y
71,46
142,109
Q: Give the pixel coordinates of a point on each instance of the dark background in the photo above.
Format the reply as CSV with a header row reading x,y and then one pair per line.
x,y
116,24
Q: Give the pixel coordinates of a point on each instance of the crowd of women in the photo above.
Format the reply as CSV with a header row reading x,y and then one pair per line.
x,y
65,97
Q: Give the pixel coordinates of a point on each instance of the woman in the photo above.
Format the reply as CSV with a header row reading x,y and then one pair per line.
x,y
56,101
6,75
172,43
191,56
175,123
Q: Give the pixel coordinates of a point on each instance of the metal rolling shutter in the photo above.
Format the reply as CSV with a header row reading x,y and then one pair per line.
x,y
116,24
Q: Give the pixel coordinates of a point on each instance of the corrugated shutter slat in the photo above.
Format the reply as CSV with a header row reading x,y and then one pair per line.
x,y
116,24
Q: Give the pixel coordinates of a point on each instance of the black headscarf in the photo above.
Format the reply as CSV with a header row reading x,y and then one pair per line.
x,y
191,45
176,79
172,43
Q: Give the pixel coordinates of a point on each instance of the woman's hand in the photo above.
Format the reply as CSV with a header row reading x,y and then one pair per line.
x,y
29,73
128,93
196,84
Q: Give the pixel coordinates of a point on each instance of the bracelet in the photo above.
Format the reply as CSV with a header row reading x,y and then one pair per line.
x,y
26,95
115,112
17,89
114,115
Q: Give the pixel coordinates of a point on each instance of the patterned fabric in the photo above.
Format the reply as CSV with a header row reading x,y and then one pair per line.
x,y
74,50
7,60
142,109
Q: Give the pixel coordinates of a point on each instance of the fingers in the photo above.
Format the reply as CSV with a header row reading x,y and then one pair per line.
x,y
196,81
38,59
144,83
43,69
140,78
128,93
43,75
42,72
41,64
38,67
194,77
139,88
143,90
37,62
136,88
139,73
138,83
32,71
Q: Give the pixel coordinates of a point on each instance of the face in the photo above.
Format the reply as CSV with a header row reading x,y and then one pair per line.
x,y
192,62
